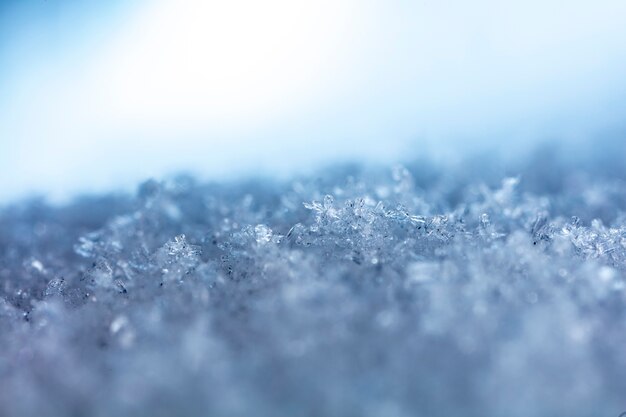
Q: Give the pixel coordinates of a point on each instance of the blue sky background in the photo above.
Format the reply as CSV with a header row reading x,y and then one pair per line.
x,y
99,95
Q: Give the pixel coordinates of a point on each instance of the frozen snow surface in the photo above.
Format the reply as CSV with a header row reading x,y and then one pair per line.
x,y
469,289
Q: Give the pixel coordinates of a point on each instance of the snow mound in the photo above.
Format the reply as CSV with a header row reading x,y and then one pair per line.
x,y
466,290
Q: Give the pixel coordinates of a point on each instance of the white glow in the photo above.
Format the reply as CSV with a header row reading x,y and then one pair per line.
x,y
90,101
221,63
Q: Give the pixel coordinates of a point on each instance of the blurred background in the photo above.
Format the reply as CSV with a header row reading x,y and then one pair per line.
x,y
99,95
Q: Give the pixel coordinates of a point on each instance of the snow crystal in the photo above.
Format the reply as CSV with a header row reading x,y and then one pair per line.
x,y
467,290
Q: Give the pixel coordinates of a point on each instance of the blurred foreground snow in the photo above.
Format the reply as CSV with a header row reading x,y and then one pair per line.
x,y
466,290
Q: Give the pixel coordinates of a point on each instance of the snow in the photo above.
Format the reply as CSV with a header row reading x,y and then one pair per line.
x,y
473,289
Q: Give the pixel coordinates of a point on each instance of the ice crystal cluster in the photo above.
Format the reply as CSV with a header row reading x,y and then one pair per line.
x,y
419,290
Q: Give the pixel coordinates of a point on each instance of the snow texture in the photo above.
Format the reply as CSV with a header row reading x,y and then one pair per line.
x,y
473,289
